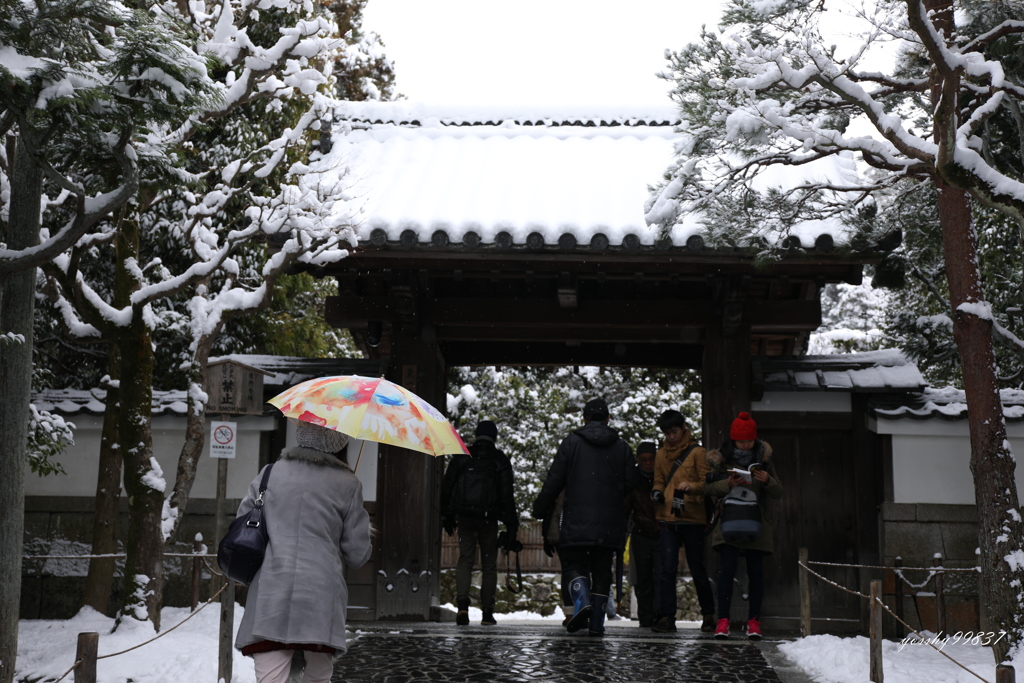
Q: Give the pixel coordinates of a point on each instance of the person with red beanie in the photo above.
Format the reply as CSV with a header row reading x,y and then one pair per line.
x,y
742,478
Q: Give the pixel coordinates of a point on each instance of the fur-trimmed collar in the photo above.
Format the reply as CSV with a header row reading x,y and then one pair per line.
x,y
716,458
314,457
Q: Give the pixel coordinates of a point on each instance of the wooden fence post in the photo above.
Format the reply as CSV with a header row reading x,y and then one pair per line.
x,y
897,564
876,632
940,596
805,596
197,569
227,631
88,646
1005,674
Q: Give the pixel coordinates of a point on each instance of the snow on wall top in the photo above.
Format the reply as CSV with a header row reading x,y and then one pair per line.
x,y
571,176
948,403
91,401
874,371
285,371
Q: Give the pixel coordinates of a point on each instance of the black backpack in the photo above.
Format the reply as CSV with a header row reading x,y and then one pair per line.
x,y
476,490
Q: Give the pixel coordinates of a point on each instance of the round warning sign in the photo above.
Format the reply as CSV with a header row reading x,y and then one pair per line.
x,y
222,443
224,434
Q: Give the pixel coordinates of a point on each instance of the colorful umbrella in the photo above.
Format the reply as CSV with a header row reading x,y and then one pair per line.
x,y
372,410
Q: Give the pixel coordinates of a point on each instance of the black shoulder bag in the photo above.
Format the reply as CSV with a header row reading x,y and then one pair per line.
x,y
240,553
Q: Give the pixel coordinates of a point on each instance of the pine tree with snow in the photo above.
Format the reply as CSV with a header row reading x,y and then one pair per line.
x,y
232,195
83,87
776,96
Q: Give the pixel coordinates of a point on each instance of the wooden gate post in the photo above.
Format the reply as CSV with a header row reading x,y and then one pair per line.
x,y
876,632
197,569
1005,673
898,575
805,595
227,632
940,596
88,646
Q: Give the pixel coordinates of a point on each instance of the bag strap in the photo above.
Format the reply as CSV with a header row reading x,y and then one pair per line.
x,y
678,463
508,573
263,485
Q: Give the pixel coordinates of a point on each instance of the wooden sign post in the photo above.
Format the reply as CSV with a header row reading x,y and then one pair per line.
x,y
234,389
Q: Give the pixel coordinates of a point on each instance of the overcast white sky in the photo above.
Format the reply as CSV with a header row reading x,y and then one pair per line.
x,y
535,51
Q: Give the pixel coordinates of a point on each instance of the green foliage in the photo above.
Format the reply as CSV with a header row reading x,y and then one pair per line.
x,y
48,436
537,408
919,315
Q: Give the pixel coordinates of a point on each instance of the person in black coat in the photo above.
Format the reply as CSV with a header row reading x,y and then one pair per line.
x,y
595,469
644,538
477,493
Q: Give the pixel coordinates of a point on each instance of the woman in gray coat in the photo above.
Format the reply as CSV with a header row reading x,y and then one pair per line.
x,y
318,528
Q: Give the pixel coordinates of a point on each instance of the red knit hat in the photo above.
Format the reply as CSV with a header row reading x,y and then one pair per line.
x,y
743,428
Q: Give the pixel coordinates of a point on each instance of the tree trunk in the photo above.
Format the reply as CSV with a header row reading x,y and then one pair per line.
x,y
143,572
1000,531
17,304
100,579
195,435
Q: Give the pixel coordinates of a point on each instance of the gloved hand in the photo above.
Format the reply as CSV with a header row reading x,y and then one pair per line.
x,y
549,549
658,497
512,544
448,524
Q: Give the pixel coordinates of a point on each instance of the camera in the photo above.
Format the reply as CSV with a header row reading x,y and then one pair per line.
x,y
678,503
509,542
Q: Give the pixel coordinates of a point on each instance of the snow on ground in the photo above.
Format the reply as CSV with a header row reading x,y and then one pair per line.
x,y
830,659
475,615
46,650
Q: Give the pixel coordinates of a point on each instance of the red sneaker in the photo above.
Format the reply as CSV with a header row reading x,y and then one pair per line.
x,y
754,629
722,630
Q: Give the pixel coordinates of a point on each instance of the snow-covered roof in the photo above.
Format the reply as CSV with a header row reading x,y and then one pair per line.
x,y
948,403
282,372
287,371
571,177
537,115
873,372
91,401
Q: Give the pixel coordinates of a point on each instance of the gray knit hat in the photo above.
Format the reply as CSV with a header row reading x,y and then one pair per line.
x,y
319,438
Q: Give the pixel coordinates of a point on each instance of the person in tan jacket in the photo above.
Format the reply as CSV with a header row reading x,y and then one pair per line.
x,y
679,472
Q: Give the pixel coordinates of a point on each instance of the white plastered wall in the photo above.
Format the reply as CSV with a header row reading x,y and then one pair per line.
x,y
931,459
81,460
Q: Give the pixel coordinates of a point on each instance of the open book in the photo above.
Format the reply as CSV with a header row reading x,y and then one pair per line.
x,y
746,474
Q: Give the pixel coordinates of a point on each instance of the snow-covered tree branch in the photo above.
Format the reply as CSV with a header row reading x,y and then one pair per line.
x,y
776,94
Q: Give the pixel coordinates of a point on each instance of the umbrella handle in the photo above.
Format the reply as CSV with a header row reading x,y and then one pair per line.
x,y
361,444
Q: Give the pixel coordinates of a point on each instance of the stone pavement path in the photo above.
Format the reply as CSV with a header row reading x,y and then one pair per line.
x,y
406,653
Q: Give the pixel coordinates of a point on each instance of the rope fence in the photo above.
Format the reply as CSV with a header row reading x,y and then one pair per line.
x,y
1004,673
88,645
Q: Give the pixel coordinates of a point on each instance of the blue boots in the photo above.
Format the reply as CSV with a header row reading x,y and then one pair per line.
x,y
579,593
598,604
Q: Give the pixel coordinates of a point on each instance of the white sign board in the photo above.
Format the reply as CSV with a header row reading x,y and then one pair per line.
x,y
223,437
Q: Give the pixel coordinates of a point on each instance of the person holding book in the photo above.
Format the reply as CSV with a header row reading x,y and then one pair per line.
x,y
742,478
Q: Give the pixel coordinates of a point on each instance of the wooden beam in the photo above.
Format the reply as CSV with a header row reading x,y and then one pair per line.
x,y
611,334
762,316
543,353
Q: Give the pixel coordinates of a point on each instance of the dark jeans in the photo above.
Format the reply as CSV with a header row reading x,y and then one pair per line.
x,y
730,556
691,537
591,561
645,575
473,532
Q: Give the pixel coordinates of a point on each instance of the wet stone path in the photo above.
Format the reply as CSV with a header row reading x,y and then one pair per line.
x,y
536,653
